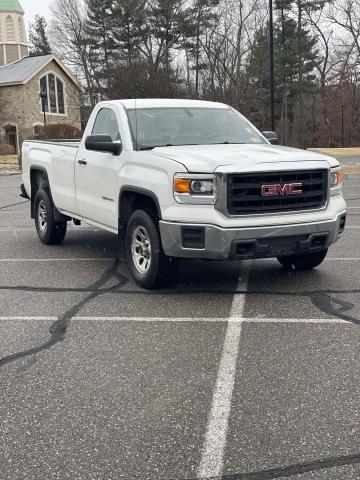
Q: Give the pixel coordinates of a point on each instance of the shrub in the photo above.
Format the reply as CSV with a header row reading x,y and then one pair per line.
x,y
6,149
58,131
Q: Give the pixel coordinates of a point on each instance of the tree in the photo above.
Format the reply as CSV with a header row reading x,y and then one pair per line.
x,y
258,74
68,38
39,43
202,16
128,29
99,35
296,59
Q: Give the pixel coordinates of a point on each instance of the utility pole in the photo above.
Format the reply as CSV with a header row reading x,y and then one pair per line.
x,y
342,126
272,82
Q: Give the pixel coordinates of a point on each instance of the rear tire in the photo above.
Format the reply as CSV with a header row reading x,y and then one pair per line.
x,y
149,265
49,231
304,261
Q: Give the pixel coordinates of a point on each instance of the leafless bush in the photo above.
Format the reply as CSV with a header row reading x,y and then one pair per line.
x,y
6,149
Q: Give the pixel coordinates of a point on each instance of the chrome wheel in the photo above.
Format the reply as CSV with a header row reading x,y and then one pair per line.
x,y
141,249
42,216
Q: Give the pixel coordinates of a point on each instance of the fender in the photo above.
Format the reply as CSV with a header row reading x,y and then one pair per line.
x,y
124,212
58,216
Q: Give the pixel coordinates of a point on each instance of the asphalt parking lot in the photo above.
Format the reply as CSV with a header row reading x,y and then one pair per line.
x,y
243,370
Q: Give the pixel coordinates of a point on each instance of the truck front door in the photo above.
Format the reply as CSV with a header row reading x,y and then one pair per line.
x,y
96,174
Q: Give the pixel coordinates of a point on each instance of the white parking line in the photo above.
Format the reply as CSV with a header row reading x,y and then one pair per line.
x,y
211,464
339,259
94,259
30,228
109,259
232,320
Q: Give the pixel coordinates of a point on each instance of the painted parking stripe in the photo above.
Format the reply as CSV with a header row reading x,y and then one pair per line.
x,y
94,259
211,464
111,259
181,319
31,228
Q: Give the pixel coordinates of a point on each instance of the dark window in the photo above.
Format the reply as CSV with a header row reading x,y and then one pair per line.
x,y
106,124
52,93
60,93
43,88
55,95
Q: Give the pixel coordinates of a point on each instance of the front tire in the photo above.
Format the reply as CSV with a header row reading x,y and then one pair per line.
x,y
149,265
49,231
304,261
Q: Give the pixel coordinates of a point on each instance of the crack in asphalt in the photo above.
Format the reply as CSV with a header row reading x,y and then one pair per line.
x,y
167,291
290,470
13,204
323,300
59,328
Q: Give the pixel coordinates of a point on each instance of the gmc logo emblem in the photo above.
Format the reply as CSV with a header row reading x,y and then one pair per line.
x,y
278,189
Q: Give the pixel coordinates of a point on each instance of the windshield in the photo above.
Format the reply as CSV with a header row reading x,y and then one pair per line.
x,y
153,127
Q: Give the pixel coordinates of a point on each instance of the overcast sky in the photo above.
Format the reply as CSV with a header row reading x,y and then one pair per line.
x,y
33,7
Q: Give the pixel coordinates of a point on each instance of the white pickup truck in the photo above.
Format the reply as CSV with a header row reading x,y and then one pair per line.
x,y
185,178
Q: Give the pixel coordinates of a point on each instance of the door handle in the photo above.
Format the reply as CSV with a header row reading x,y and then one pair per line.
x,y
82,162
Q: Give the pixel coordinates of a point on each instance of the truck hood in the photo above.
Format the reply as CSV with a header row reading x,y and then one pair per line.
x,y
243,158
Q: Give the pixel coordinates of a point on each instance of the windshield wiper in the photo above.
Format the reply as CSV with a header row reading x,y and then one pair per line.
x,y
228,143
150,147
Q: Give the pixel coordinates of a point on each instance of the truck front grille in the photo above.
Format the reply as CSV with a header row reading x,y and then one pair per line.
x,y
245,193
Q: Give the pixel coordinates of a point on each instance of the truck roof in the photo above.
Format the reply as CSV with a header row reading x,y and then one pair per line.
x,y
168,102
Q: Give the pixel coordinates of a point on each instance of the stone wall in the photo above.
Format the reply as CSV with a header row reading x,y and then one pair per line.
x,y
11,162
20,104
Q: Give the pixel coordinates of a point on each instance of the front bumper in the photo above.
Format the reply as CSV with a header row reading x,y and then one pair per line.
x,y
217,243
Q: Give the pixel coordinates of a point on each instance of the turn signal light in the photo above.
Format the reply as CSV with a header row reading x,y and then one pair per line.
x,y
182,185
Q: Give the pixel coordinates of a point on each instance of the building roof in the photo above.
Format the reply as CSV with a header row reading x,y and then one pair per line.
x,y
20,72
10,6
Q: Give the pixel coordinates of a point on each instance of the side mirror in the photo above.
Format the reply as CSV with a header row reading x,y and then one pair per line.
x,y
271,137
102,143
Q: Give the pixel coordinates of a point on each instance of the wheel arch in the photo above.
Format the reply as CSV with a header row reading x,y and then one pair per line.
x,y
39,179
132,198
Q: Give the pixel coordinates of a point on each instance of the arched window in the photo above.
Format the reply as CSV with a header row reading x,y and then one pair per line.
x,y
21,30
53,86
10,30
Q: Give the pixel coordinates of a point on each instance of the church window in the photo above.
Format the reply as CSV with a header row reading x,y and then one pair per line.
x,y
10,30
53,86
21,30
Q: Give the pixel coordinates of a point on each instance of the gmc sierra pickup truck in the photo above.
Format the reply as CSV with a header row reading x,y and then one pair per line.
x,y
185,178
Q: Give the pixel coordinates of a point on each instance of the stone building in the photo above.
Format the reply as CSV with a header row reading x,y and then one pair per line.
x,y
22,78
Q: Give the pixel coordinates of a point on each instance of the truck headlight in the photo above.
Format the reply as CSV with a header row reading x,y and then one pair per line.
x,y
336,181
196,189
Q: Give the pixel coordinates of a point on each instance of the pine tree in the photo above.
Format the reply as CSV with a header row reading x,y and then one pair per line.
x,y
39,43
99,30
166,20
128,28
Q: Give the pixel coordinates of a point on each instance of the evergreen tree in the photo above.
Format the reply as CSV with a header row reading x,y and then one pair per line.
x,y
258,74
166,20
129,28
99,30
39,43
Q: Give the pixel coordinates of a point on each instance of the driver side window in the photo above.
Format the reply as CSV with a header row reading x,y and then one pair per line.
x,y
106,124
